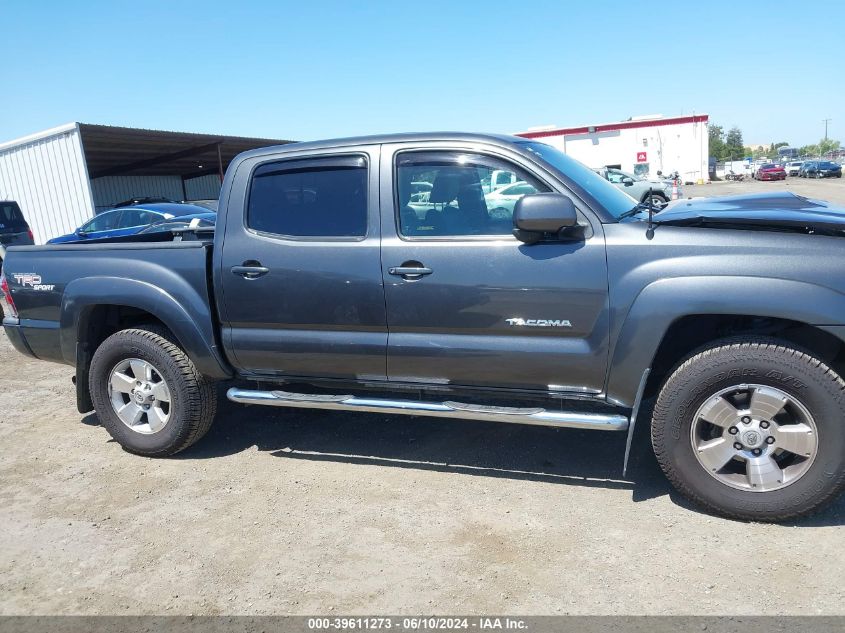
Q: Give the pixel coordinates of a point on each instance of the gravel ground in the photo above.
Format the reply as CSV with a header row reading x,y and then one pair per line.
x,y
302,512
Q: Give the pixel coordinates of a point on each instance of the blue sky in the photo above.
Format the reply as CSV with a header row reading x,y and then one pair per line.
x,y
318,69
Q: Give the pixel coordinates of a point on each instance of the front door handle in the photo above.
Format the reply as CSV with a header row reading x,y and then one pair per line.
x,y
250,270
410,271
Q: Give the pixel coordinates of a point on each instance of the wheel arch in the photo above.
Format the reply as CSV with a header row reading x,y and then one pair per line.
x,y
89,315
653,192
670,318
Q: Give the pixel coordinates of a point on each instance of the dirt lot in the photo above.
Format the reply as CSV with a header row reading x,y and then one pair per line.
x,y
830,189
310,512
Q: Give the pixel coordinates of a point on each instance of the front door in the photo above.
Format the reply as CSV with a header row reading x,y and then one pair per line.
x,y
467,303
301,283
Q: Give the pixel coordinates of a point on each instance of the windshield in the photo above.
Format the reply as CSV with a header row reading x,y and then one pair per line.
x,y
615,201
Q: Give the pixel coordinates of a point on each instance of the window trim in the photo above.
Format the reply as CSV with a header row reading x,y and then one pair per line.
x,y
480,152
306,161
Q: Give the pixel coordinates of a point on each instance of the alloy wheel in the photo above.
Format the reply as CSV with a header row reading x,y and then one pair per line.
x,y
754,437
140,396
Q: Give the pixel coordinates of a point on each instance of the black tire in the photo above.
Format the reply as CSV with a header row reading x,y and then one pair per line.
x,y
650,197
765,362
193,398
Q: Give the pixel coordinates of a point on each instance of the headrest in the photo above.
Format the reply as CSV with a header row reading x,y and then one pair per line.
x,y
446,185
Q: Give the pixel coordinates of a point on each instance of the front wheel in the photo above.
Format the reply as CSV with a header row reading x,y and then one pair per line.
x,y
148,394
658,201
753,430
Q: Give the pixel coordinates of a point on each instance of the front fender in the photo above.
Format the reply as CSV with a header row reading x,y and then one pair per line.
x,y
187,317
665,301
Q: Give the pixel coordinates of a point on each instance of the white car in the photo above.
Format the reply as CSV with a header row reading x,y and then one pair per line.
x,y
793,167
502,201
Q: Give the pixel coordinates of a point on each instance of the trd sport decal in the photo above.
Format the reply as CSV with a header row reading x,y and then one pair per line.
x,y
32,280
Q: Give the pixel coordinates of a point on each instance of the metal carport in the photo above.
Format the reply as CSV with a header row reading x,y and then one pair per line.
x,y
61,177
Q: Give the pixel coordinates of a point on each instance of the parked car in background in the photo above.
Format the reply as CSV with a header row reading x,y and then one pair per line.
x,y
498,178
501,202
127,221
793,167
131,202
14,230
770,171
807,164
658,192
193,221
211,205
823,169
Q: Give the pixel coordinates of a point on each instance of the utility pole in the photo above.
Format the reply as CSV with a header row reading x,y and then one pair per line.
x,y
826,121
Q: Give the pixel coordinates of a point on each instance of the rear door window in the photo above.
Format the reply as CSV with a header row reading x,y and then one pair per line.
x,y
310,198
138,217
11,218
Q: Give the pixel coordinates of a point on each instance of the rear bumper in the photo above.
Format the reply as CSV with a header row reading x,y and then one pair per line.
x,y
39,339
16,335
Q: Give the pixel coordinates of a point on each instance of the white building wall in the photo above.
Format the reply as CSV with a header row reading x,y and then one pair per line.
x,y
47,176
681,147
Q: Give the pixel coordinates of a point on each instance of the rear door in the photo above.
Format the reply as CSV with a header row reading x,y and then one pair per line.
x,y
467,303
300,272
13,227
133,220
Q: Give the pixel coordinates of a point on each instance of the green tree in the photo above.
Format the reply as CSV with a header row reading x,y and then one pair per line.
x,y
717,141
821,148
827,145
734,147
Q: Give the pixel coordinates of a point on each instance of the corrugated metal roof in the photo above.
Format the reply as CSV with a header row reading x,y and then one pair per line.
x,y
111,150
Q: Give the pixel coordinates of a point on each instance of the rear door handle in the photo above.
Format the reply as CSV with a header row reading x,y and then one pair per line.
x,y
409,271
250,272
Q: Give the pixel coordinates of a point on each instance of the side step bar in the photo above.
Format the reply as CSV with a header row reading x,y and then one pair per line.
x,y
515,415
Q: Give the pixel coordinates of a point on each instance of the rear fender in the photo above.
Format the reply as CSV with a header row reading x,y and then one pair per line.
x,y
187,317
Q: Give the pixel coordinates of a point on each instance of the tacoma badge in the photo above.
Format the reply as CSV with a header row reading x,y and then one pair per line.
x,y
516,321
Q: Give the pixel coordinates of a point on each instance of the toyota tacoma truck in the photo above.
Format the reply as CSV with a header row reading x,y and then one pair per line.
x,y
719,322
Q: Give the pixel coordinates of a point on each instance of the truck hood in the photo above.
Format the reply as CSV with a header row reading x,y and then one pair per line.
x,y
765,211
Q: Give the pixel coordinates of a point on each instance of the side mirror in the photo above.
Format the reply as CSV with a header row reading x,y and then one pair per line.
x,y
628,182
540,213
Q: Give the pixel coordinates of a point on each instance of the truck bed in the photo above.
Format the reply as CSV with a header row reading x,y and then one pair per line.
x,y
55,287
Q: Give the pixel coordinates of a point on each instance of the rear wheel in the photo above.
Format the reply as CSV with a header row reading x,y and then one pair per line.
x,y
753,430
148,394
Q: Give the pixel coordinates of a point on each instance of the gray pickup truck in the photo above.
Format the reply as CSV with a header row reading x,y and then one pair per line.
x,y
719,322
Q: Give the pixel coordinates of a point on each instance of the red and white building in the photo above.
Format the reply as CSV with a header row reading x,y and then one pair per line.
x,y
640,145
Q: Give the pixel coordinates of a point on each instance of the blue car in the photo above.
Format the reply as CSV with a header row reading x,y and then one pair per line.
x,y
128,221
